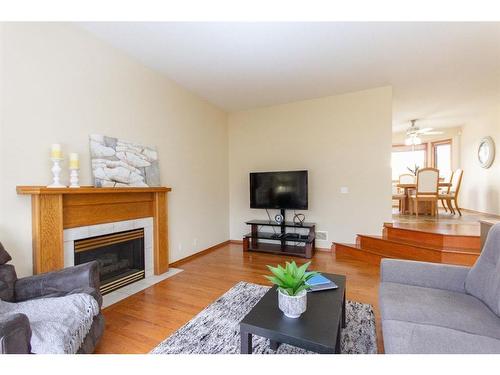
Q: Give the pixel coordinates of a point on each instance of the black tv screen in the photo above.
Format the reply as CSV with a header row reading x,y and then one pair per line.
x,y
287,190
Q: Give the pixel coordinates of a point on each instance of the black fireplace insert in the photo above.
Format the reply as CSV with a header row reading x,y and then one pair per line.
x,y
120,257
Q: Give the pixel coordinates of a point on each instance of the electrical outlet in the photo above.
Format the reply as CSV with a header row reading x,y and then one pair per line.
x,y
195,242
180,247
322,235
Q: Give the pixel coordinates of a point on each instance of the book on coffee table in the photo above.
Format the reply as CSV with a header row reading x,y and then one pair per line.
x,y
319,282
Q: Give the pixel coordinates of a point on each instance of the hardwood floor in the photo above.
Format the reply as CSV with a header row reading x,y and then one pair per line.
x,y
444,223
138,323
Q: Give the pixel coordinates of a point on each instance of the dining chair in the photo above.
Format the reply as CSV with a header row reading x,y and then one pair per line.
x,y
406,179
426,191
452,194
399,194
446,190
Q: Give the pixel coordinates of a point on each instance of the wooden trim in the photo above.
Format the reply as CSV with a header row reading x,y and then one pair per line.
x,y
200,253
89,209
236,242
54,210
75,200
344,251
433,151
458,242
39,190
160,233
47,233
428,231
376,246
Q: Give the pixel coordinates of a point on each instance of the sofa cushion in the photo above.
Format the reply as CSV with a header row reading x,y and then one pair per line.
x,y
4,255
483,280
414,338
8,278
437,307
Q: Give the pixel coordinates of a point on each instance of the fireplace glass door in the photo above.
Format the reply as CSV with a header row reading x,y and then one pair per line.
x,y
120,257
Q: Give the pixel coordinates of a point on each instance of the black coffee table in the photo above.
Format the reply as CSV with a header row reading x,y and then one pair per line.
x,y
317,330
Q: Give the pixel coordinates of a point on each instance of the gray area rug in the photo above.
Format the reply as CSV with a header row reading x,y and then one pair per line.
x,y
215,330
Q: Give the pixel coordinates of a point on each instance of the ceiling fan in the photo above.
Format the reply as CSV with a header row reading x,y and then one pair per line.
x,y
414,132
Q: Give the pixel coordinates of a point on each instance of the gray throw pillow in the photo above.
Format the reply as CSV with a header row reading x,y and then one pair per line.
x,y
4,255
483,280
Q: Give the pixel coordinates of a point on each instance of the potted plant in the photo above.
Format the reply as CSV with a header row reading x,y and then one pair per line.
x,y
414,170
292,287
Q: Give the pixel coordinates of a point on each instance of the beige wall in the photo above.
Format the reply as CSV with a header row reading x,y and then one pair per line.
x,y
481,187
59,85
341,140
453,133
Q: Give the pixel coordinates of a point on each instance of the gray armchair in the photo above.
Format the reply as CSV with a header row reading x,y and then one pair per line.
x,y
440,308
15,331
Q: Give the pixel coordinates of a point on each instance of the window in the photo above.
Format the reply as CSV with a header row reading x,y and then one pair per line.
x,y
404,157
441,158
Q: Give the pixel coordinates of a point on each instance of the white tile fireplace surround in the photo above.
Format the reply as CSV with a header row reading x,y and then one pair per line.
x,y
73,234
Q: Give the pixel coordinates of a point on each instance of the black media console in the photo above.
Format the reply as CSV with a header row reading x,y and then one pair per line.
x,y
280,242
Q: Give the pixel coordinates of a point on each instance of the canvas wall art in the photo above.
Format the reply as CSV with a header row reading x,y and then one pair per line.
x,y
120,163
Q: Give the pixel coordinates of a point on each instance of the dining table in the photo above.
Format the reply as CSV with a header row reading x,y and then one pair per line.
x,y
405,208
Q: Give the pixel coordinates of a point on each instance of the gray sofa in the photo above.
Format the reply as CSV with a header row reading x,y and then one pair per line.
x,y
15,331
438,308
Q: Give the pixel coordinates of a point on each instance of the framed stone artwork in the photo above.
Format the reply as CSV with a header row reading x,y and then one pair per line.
x,y
120,163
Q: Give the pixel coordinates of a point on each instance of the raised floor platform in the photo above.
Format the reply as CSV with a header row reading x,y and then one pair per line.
x,y
444,239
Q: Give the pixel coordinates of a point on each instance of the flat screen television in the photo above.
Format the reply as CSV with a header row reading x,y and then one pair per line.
x,y
281,190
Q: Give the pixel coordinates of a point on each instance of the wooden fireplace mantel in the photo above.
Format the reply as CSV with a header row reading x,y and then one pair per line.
x,y
56,209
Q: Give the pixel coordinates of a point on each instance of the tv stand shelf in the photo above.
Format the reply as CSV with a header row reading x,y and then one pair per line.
x,y
281,242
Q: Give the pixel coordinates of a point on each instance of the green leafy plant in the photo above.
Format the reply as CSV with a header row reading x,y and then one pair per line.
x,y
291,279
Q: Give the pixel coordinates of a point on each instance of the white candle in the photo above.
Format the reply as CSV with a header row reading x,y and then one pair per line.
x,y
74,162
55,151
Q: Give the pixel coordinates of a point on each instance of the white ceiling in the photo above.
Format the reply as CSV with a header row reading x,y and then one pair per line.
x,y
440,72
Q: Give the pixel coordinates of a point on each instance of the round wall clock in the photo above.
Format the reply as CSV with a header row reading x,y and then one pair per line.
x,y
486,152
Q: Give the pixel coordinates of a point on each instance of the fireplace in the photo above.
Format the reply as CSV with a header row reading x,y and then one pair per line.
x,y
120,257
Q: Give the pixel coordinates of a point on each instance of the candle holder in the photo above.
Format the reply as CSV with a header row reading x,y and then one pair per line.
x,y
73,178
56,172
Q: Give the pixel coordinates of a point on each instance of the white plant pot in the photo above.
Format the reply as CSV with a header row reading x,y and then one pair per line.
x,y
292,306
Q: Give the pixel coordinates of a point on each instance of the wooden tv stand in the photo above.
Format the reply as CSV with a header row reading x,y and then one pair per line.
x,y
281,242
